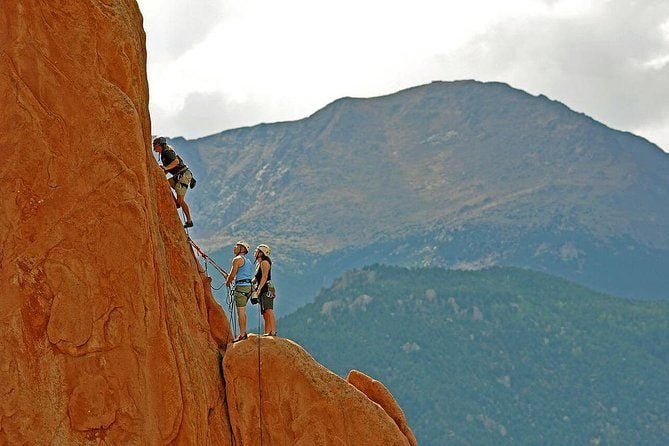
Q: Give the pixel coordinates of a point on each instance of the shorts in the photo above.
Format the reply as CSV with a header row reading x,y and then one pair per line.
x,y
182,186
266,302
242,295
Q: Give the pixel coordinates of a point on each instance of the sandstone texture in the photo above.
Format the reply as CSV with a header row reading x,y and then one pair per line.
x,y
303,403
105,322
109,332
378,393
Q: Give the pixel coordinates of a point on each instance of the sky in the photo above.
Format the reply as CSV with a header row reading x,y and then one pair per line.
x,y
214,65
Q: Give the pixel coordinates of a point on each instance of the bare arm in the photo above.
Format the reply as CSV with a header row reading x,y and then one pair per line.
x,y
264,268
236,263
171,165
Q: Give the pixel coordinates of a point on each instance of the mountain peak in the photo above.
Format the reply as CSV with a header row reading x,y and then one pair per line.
x,y
473,173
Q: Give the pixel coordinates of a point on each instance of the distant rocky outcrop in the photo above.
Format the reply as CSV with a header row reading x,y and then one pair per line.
x,y
109,333
378,393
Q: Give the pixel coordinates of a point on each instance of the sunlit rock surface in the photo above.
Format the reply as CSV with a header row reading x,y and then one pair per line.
x,y
303,403
378,393
105,327
109,333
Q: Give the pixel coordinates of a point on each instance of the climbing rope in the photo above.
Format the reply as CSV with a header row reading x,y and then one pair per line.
x,y
230,299
215,288
231,308
259,375
207,259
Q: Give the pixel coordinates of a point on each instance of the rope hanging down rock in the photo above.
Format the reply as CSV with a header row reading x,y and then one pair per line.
x,y
207,259
230,298
259,374
231,308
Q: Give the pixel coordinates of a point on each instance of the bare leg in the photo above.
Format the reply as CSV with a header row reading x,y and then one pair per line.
x,y
268,324
270,321
241,315
184,206
176,202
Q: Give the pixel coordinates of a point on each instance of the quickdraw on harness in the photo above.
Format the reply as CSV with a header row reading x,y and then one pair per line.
x,y
230,297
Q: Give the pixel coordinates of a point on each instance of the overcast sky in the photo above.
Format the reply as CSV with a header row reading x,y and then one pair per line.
x,y
219,64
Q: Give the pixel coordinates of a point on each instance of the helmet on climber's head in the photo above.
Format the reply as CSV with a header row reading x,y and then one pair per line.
x,y
244,245
264,249
160,141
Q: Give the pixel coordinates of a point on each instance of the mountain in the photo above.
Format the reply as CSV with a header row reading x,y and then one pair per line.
x,y
456,174
498,356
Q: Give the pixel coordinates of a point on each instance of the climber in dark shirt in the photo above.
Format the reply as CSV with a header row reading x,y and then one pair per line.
x,y
181,175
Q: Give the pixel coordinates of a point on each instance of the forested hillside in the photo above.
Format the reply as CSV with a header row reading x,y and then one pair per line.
x,y
500,356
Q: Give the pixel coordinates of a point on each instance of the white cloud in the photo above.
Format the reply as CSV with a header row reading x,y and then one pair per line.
x,y
657,63
218,64
665,30
591,64
175,26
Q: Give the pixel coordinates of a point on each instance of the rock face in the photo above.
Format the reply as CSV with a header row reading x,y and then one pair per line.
x,y
378,393
109,333
105,323
303,403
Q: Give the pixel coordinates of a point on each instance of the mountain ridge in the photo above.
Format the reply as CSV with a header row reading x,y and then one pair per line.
x,y
469,170
179,138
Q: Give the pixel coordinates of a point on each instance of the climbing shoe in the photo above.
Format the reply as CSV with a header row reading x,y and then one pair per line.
x,y
189,224
241,337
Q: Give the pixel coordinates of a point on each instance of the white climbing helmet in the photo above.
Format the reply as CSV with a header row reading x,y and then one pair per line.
x,y
264,249
244,244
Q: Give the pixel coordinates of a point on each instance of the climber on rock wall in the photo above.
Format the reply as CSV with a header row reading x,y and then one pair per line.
x,y
181,177
241,273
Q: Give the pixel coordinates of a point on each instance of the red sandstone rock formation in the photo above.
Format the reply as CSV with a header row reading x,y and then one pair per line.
x,y
109,333
378,393
104,320
303,403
